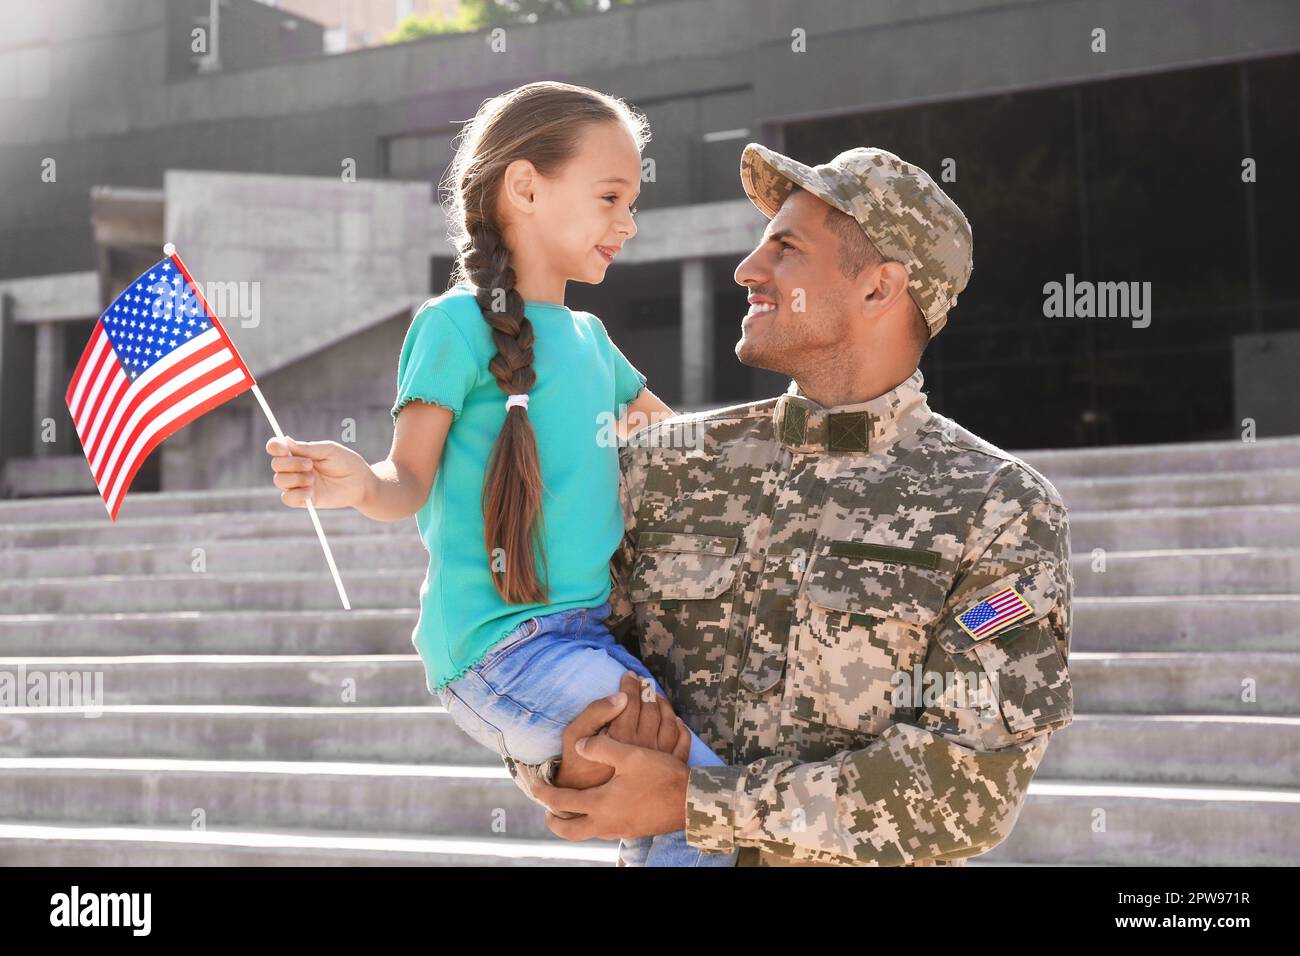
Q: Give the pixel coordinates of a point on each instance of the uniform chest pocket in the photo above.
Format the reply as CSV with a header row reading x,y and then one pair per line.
x,y
683,586
863,628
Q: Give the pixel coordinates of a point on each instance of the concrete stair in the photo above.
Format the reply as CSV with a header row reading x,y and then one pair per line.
x,y
248,720
91,845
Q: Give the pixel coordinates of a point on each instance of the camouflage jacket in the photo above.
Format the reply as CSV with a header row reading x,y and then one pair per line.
x,y
863,610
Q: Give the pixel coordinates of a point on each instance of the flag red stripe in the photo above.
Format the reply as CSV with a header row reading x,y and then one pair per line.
x,y
117,388
81,362
96,369
1007,606
1009,609
70,395
115,463
116,415
1000,619
99,382
170,429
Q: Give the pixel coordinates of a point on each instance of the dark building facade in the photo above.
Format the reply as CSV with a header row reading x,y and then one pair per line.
x,y
1150,144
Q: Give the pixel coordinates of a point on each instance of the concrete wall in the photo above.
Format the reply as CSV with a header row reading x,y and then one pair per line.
x,y
254,192
1266,382
694,66
252,34
17,381
321,258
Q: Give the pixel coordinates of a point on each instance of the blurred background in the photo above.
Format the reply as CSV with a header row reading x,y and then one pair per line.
x,y
292,150
1166,157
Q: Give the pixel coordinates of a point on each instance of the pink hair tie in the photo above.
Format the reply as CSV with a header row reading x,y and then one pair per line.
x,y
521,400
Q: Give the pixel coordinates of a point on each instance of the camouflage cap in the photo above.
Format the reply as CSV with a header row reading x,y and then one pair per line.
x,y
900,208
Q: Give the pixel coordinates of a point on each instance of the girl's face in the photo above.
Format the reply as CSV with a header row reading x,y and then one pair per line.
x,y
571,226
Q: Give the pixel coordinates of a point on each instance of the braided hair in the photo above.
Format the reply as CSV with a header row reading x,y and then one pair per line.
x,y
540,122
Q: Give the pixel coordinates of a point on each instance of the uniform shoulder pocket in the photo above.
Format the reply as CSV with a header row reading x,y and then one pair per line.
x,y
1007,625
1031,678
1000,607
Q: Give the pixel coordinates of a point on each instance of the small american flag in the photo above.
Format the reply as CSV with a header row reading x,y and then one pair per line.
x,y
157,359
994,613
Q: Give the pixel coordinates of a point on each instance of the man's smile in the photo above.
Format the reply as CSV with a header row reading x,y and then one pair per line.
x,y
758,305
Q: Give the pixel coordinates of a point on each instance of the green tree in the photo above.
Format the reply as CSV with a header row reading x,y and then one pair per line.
x,y
474,15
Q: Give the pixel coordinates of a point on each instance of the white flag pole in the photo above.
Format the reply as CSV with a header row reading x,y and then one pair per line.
x,y
169,250
311,509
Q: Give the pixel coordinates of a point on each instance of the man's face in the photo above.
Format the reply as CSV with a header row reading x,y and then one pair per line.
x,y
795,270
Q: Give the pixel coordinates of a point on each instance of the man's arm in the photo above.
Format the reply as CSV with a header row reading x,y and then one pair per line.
x,y
951,784
622,617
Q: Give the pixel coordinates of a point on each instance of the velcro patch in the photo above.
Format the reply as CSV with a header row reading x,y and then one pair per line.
x,y
994,614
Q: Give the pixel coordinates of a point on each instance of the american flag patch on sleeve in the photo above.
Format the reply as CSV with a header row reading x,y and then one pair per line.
x,y
994,613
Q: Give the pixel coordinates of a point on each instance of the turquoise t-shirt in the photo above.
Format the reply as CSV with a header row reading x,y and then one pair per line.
x,y
582,379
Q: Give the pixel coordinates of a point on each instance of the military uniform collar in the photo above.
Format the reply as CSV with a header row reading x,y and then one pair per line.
x,y
802,425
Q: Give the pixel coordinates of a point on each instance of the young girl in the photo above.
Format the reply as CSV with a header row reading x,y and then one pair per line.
x,y
503,396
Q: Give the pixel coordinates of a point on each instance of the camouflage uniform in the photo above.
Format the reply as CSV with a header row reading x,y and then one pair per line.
x,y
799,577
782,577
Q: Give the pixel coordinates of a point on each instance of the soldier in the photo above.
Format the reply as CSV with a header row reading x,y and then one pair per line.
x,y
861,606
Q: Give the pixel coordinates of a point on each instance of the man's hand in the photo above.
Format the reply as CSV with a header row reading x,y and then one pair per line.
x,y
634,719
646,794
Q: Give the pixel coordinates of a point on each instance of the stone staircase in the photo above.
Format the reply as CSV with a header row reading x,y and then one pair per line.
x,y
247,719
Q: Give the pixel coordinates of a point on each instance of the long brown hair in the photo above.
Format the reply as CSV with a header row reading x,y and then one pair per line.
x,y
540,122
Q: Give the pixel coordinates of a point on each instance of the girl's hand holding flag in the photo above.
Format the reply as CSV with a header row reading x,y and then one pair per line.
x,y
157,359
332,475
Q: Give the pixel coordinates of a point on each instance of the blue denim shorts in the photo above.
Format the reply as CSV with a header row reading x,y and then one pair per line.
x,y
531,684
527,689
